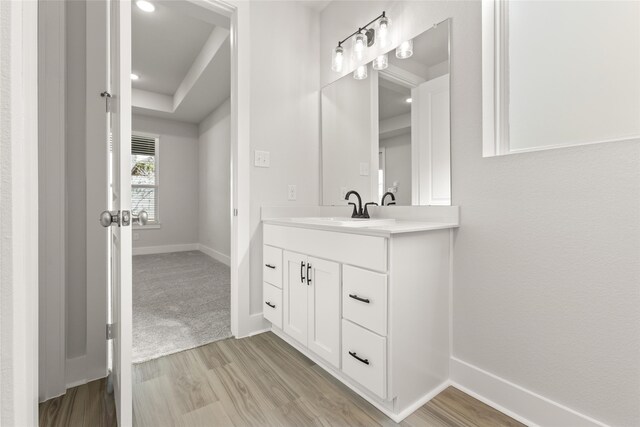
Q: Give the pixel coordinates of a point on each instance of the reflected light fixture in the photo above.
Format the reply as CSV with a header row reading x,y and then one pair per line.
x,y
145,6
361,72
405,50
409,100
134,76
337,59
363,37
381,62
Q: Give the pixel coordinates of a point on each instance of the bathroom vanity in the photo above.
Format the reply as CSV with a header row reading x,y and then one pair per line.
x,y
368,300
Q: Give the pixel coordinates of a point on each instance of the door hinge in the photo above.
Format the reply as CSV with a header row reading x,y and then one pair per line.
x,y
107,99
109,331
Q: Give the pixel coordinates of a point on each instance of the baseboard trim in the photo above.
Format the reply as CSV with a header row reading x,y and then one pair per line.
x,y
149,250
218,256
513,400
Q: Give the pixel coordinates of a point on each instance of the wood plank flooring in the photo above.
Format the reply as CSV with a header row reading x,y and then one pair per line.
x,y
87,405
262,381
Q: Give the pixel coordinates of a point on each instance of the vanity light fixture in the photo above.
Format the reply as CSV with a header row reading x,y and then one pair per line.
x,y
359,45
145,6
361,72
363,37
381,62
134,76
405,50
337,59
383,30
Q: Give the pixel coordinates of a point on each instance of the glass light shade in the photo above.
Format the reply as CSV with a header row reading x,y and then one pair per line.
x,y
359,45
360,73
384,36
381,62
405,50
337,59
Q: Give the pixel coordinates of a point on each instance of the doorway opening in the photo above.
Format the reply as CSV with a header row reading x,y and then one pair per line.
x,y
181,177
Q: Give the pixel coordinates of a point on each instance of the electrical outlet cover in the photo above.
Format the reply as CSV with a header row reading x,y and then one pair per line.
x,y
292,192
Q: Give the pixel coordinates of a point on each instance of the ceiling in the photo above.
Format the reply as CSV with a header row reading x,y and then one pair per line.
x,y
392,100
183,63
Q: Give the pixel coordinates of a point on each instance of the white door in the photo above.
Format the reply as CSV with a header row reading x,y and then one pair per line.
x,y
323,280
431,143
295,290
121,244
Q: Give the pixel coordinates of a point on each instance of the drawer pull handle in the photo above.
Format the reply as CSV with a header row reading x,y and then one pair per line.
x,y
308,274
355,356
270,305
356,297
270,266
302,264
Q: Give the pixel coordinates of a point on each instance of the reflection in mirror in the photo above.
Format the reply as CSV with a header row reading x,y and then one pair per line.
x,y
390,133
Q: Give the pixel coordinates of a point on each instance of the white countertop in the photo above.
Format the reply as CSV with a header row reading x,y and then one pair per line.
x,y
386,230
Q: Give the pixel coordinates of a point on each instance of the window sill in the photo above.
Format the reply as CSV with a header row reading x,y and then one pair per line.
x,y
147,227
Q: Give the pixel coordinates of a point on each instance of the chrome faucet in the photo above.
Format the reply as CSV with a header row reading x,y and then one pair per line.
x,y
393,198
357,211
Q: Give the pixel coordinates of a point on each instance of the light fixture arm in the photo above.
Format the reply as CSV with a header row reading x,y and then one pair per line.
x,y
359,30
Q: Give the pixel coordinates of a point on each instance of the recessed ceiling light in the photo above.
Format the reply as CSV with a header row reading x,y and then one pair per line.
x,y
145,6
408,100
134,76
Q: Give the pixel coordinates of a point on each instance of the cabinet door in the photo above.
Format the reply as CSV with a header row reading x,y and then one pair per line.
x,y
324,309
295,292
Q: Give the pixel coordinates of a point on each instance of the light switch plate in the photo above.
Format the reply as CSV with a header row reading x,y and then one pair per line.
x,y
262,159
364,169
292,192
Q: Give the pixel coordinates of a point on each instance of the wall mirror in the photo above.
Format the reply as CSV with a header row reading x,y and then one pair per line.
x,y
389,130
574,80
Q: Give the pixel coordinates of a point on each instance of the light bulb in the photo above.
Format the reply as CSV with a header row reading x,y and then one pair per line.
x,y
134,76
360,73
337,59
381,62
359,45
383,31
405,50
145,6
409,100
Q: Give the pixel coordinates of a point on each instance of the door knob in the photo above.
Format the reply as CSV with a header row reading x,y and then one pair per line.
x,y
141,218
107,218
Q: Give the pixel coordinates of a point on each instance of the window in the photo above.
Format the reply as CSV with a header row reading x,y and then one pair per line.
x,y
144,176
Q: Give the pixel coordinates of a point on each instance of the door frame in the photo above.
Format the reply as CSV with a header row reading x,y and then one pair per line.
x,y
238,13
19,216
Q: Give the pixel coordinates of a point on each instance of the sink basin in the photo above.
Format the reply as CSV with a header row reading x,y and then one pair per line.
x,y
345,221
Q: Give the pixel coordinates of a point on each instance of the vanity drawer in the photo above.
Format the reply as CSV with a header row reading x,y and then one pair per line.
x,y
364,358
272,310
272,265
364,298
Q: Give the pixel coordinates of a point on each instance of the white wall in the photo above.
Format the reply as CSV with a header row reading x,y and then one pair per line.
x,y
547,258
178,182
398,166
284,113
214,171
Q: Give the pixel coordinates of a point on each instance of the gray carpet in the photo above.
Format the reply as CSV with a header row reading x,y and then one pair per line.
x,y
180,301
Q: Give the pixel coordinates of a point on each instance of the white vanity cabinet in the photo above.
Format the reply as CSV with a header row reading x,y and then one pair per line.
x,y
369,306
311,288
